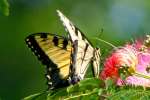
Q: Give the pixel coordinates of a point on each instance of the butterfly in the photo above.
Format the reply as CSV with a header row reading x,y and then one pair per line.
x,y
66,58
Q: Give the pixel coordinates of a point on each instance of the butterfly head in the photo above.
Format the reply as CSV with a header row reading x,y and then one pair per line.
x,y
74,79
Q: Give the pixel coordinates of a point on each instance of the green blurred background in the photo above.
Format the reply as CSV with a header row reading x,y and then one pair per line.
x,y
21,74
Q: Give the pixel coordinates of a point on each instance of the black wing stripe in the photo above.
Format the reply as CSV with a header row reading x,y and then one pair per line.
x,y
37,50
85,49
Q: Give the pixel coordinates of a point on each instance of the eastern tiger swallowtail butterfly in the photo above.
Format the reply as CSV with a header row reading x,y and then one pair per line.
x,y
67,59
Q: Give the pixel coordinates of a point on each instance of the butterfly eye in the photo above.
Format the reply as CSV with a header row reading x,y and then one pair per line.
x,y
55,40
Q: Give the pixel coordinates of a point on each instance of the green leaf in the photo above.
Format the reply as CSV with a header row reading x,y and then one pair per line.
x,y
37,96
57,94
100,91
88,89
130,94
87,95
4,7
73,88
109,83
86,84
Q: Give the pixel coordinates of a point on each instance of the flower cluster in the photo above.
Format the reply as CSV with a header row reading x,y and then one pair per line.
x,y
132,60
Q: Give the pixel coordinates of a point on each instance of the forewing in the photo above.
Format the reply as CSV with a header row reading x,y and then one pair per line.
x,y
83,50
74,32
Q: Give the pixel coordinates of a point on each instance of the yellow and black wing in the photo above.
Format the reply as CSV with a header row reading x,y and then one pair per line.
x,y
55,52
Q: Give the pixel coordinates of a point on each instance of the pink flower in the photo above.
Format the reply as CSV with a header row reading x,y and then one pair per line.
x,y
126,56
143,69
121,57
133,57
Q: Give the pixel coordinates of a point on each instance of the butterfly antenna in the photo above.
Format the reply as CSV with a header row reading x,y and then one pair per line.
x,y
101,32
108,43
